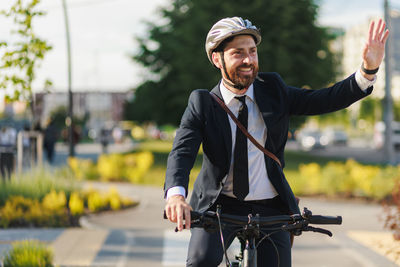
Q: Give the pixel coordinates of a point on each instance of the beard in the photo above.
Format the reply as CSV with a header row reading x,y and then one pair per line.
x,y
240,80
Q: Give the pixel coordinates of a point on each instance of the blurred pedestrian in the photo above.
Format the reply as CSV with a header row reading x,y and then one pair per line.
x,y
104,139
8,136
50,139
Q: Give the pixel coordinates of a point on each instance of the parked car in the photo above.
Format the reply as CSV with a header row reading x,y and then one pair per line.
x,y
311,139
379,134
335,137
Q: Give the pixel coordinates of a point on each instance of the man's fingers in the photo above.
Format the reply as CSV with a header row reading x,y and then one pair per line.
x,y
382,29
187,218
377,30
168,212
385,36
371,31
179,215
173,215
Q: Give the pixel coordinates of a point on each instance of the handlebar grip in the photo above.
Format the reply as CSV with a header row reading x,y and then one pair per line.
x,y
318,219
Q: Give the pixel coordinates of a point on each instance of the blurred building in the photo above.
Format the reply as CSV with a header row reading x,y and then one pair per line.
x,y
353,42
99,107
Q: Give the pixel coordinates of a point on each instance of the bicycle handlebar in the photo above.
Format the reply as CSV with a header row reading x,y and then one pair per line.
x,y
318,219
294,222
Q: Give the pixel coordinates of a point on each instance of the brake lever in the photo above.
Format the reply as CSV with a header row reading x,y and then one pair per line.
x,y
318,230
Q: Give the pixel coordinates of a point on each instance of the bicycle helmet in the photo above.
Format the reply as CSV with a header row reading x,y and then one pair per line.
x,y
229,27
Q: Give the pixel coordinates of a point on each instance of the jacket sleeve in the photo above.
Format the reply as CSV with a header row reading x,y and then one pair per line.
x,y
186,143
333,98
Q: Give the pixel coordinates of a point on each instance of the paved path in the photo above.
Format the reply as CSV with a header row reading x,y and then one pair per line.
x,y
140,237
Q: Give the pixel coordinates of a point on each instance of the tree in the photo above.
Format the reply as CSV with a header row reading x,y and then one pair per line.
x,y
174,52
20,59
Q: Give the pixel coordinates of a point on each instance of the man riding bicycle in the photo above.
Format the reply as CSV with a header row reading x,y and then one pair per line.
x,y
235,173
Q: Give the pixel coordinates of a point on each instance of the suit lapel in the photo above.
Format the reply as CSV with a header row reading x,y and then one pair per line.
x,y
263,101
223,122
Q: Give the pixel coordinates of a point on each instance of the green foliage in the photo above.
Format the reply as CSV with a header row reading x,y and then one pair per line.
x,y
96,201
48,202
21,58
174,55
36,184
392,214
350,179
19,212
396,110
59,116
113,167
341,117
29,253
371,110
76,204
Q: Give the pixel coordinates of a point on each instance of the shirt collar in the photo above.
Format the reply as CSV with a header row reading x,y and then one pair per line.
x,y
228,95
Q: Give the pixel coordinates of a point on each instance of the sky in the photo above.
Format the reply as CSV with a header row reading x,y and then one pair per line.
x,y
102,38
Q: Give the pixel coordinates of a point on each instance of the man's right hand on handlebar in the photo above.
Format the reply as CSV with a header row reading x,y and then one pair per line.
x,y
177,211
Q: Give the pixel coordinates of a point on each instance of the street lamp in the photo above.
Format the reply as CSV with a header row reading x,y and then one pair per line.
x,y
388,101
69,120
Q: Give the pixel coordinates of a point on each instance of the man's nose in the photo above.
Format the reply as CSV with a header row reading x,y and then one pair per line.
x,y
247,58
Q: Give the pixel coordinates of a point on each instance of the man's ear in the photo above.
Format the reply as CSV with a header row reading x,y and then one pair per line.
x,y
216,58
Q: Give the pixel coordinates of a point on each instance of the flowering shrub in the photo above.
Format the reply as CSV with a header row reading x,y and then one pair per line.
x,y
346,179
392,213
113,167
76,204
96,201
83,168
53,211
54,201
28,253
20,211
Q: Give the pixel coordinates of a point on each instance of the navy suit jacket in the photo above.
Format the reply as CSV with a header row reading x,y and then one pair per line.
x,y
205,122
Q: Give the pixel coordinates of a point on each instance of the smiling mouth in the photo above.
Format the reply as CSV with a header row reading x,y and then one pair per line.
x,y
245,71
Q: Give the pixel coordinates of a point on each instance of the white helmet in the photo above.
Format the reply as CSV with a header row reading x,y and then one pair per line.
x,y
226,28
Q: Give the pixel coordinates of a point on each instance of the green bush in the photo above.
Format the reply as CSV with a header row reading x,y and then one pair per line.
x,y
35,184
350,179
19,211
113,167
392,214
29,253
76,204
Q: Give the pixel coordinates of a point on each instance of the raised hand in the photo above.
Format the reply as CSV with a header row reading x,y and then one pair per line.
x,y
374,48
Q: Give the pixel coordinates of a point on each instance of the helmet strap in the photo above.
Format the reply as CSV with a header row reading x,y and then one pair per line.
x,y
228,81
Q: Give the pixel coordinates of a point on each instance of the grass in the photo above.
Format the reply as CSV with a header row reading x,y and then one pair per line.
x,y
161,149
35,184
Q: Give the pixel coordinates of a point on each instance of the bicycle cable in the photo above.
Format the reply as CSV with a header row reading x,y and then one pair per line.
x,y
222,237
268,236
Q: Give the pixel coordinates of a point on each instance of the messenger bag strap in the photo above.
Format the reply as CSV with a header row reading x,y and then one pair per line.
x,y
243,129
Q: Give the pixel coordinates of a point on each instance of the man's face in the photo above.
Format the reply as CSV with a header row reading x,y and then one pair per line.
x,y
241,60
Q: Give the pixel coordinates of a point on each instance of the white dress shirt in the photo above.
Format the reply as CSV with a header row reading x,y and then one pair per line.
x,y
260,186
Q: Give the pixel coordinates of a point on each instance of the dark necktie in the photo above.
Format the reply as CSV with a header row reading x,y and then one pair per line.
x,y
240,158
